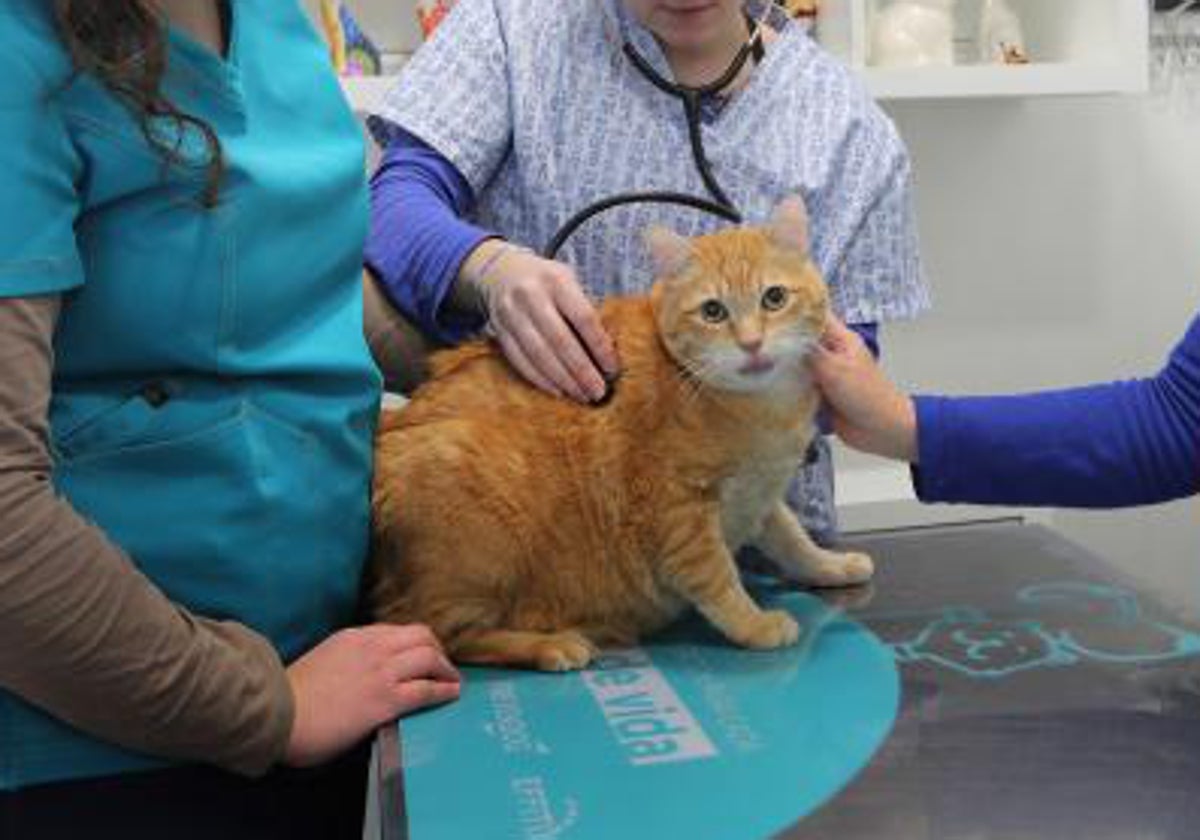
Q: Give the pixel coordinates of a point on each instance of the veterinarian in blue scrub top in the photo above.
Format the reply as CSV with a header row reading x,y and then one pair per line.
x,y
1109,445
186,413
518,114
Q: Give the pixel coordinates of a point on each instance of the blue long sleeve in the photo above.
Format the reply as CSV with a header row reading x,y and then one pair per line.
x,y
869,333
418,239
1112,445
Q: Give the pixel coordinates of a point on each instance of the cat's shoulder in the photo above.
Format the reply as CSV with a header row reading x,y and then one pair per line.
x,y
629,317
445,362
462,379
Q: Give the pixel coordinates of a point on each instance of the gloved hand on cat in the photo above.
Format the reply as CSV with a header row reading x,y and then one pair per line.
x,y
543,321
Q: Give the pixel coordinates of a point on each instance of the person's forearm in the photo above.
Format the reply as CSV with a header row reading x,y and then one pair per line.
x,y
1113,445
86,637
400,350
418,242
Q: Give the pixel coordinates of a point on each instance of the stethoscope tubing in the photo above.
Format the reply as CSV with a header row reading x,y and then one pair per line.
x,y
572,224
691,97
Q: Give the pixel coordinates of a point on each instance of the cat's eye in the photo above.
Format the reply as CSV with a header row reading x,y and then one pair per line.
x,y
713,311
774,297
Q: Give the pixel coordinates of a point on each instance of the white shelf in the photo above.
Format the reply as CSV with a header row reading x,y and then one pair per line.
x,y
365,93
1076,47
1003,80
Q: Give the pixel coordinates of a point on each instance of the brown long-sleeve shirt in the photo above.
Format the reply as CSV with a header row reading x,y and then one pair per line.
x,y
87,637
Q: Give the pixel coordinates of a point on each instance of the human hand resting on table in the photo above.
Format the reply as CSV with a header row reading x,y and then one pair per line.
x,y
546,326
360,678
865,409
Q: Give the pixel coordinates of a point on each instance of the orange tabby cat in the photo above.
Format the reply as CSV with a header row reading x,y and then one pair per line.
x,y
527,530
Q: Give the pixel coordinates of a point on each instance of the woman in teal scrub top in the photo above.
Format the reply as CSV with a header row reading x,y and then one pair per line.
x,y
186,410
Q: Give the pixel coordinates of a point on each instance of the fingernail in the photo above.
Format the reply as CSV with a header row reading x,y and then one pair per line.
x,y
604,400
611,366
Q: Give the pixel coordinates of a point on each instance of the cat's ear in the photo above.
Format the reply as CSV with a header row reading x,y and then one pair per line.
x,y
669,252
788,227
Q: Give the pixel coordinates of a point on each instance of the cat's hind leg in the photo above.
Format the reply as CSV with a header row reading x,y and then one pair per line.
x,y
566,650
797,558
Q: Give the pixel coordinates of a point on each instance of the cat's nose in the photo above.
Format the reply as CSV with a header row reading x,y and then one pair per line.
x,y
751,346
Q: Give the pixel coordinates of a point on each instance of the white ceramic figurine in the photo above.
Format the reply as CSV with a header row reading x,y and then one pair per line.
x,y
914,33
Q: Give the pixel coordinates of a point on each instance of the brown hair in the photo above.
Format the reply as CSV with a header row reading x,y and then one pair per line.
x,y
123,43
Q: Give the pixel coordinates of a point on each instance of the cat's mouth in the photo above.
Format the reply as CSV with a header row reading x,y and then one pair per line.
x,y
757,365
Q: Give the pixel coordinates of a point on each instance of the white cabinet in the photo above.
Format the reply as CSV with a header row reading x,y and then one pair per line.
x,y
1074,47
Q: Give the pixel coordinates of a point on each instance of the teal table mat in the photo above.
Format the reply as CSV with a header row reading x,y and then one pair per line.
x,y
687,736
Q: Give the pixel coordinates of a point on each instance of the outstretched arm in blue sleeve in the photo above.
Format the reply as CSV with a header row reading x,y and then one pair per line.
x,y
1113,445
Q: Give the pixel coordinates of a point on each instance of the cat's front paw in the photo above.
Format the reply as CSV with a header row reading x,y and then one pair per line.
x,y
566,651
848,569
770,629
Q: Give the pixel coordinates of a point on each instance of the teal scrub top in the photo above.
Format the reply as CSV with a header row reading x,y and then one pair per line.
x,y
213,397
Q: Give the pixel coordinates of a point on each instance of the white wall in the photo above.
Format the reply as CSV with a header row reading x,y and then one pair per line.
x,y
1062,241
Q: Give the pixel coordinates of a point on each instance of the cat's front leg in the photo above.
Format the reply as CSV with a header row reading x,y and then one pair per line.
x,y
697,565
797,558
565,650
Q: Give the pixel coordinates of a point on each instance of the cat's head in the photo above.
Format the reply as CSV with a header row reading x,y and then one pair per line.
x,y
740,309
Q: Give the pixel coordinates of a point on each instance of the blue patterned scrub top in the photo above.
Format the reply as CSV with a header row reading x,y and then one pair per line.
x,y
536,105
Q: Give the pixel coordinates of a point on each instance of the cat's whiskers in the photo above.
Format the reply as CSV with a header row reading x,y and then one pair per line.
x,y
694,374
795,344
692,389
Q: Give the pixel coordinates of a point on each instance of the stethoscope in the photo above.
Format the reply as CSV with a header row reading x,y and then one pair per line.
x,y
692,99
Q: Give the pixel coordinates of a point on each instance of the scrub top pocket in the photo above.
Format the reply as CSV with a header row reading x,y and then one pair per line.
x,y
145,416
179,506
